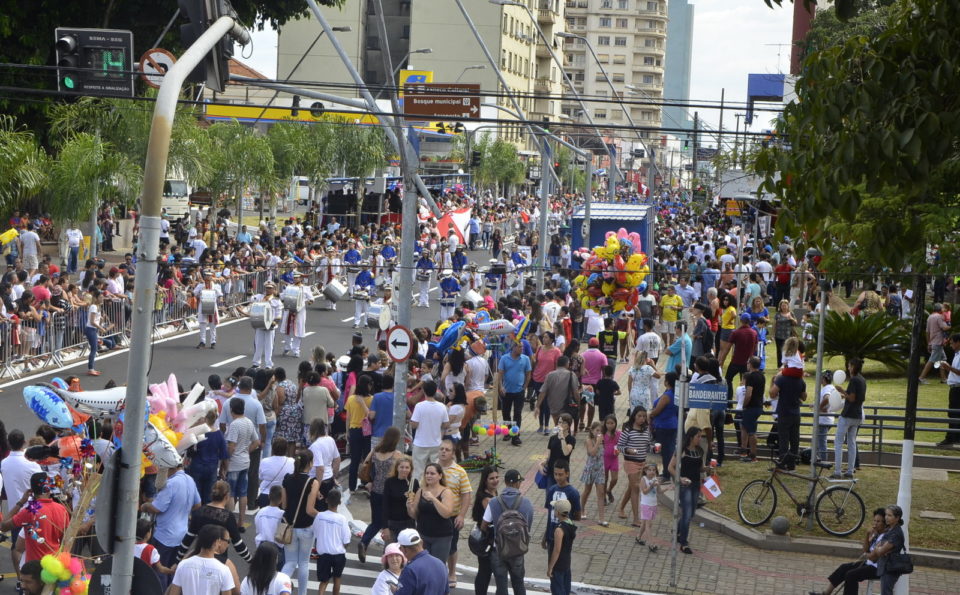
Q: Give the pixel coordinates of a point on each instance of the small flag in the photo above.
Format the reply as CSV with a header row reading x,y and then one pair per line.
x,y
711,488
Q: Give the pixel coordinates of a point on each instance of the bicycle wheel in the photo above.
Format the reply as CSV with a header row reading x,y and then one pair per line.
x,y
757,502
839,511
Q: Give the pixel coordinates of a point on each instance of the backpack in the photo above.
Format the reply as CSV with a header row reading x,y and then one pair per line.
x,y
511,534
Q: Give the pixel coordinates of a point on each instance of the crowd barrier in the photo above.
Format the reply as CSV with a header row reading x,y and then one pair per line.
x,y
58,338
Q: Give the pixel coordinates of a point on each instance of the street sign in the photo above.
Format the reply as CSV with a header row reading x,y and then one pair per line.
x,y
733,208
442,100
400,343
704,396
94,61
154,64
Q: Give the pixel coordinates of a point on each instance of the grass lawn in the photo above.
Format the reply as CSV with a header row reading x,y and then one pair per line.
x,y
877,486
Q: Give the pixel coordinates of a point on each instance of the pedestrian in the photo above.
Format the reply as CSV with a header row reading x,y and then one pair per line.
x,y
332,536
850,418
789,392
398,485
326,459
639,381
755,383
45,518
172,507
272,471
544,361
458,482
388,580
381,411
300,491
561,394
317,401
358,432
423,574
434,506
593,473
590,374
486,491
850,574
564,534
686,472
634,445
430,420
649,482
96,324
380,461
509,517
560,490
953,398
242,439
263,578
203,573
514,377
605,392
268,520
663,419
218,512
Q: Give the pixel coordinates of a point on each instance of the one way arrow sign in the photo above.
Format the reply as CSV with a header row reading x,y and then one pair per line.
x,y
400,343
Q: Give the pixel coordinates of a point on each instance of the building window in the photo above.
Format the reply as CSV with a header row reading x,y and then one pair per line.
x,y
649,43
616,114
648,79
623,23
618,77
406,32
603,58
603,40
620,41
623,4
605,22
601,92
578,77
619,59
648,60
606,4
503,59
651,24
646,115
653,6
373,42
600,114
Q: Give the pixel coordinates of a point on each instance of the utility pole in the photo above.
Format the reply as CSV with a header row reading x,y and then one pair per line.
x,y
696,128
541,262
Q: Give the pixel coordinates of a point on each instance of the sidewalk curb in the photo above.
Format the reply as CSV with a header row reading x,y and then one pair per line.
x,y
941,559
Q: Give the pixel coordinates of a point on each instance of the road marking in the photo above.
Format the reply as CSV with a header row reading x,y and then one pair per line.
x,y
83,362
308,334
347,319
227,361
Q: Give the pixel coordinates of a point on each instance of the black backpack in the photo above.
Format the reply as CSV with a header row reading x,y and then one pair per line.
x,y
511,533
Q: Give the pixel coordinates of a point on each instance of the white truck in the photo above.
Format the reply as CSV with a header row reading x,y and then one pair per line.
x,y
176,194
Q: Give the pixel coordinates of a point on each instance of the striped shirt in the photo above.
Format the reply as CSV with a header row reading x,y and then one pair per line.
x,y
457,482
634,444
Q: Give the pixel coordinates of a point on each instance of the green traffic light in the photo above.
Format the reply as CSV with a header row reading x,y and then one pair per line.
x,y
69,82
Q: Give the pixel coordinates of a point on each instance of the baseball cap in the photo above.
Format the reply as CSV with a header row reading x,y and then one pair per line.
x,y
512,476
745,317
593,342
561,506
410,537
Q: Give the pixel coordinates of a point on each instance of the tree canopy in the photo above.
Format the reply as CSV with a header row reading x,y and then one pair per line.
x,y
869,160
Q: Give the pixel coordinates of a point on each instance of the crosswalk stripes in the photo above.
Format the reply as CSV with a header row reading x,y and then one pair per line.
x,y
358,578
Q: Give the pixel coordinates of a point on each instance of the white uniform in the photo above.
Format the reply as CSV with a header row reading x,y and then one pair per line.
x,y
263,338
329,269
293,326
208,322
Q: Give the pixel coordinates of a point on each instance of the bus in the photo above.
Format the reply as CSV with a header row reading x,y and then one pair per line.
x,y
176,196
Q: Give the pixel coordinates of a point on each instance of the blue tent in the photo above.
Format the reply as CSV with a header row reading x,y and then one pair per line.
x,y
606,217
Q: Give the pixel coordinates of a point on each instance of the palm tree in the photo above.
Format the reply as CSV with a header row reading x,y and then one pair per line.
x,y
240,159
320,154
361,150
23,164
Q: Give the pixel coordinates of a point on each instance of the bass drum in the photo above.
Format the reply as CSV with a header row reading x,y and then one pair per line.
x,y
334,290
208,302
292,298
261,316
373,315
474,297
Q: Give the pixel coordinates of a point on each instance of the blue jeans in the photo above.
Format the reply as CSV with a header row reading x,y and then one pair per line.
x,y
238,483
359,448
92,339
688,505
268,441
847,428
668,443
376,518
298,557
168,557
501,568
561,582
822,431
204,476
72,260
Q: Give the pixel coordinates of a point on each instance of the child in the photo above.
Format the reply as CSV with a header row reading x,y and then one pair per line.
x,y
826,420
593,473
604,392
762,343
564,533
333,534
792,358
611,462
146,552
648,504
267,521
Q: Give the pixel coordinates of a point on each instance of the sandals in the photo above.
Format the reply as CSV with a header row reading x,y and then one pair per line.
x,y
640,541
653,548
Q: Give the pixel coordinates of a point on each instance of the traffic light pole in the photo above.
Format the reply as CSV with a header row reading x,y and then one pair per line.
x,y
144,293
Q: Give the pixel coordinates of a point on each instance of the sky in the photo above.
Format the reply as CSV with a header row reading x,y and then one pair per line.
x,y
732,38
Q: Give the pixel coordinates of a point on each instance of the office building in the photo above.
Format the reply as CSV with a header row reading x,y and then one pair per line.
x,y
676,76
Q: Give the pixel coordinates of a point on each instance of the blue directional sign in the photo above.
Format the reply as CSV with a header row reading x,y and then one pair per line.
x,y
704,396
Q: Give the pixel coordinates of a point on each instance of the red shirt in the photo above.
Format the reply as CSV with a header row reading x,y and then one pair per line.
x,y
744,340
783,273
52,520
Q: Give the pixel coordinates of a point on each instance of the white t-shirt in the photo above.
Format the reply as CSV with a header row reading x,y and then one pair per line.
x,y
593,321
203,576
825,391
278,586
30,242
332,532
16,470
74,237
324,451
430,415
478,368
272,471
651,343
266,522
650,498
93,316
241,432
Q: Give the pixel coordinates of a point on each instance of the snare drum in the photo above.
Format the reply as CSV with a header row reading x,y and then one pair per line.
x,y
361,295
261,316
474,297
208,302
423,276
292,298
373,315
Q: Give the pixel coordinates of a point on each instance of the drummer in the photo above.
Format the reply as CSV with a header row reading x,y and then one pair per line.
x,y
293,327
263,337
493,280
329,268
513,279
425,268
471,279
363,286
208,322
351,258
449,290
386,301
459,259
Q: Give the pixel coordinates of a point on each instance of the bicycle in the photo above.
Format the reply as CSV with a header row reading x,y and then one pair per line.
x,y
838,509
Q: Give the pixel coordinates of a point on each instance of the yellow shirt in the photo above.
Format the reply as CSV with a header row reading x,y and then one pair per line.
x,y
667,302
356,410
729,318
457,482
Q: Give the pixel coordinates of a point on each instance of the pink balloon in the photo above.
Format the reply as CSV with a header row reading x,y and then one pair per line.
x,y
637,244
610,233
621,233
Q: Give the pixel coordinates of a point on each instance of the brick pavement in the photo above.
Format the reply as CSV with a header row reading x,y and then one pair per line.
x,y
609,556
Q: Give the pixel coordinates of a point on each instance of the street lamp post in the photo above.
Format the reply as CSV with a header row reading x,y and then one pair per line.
x,y
473,67
407,57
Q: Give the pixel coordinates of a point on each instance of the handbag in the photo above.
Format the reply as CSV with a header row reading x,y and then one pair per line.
x,y
366,426
284,532
899,563
479,542
364,474
540,478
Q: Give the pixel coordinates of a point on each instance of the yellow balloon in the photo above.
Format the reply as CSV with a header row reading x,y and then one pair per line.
x,y
608,287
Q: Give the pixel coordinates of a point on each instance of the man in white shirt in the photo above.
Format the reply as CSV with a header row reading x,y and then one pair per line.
x,y
203,574
430,420
650,341
242,439
30,250
326,459
16,470
74,239
333,535
551,309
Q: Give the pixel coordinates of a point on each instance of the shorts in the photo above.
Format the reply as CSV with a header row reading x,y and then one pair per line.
x,y
936,354
666,328
647,512
633,467
725,334
748,420
330,566
30,262
238,482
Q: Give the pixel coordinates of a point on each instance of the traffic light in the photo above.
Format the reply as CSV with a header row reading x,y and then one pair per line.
x,y
295,108
441,128
475,157
556,167
94,61
214,70
68,61
317,109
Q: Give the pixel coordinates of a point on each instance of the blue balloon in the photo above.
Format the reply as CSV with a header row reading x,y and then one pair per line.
x,y
449,338
642,287
482,316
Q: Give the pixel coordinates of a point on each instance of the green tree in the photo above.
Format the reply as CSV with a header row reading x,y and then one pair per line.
x,y
320,155
241,160
23,164
870,162
572,176
502,161
361,150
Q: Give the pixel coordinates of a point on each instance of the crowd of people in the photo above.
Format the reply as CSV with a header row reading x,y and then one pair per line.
x,y
277,440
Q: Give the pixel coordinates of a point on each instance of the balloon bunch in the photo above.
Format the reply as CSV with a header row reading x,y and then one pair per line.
x,y
613,273
66,573
495,430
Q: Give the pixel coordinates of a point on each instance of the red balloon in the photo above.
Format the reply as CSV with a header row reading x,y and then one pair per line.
x,y
618,265
620,294
633,298
595,291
